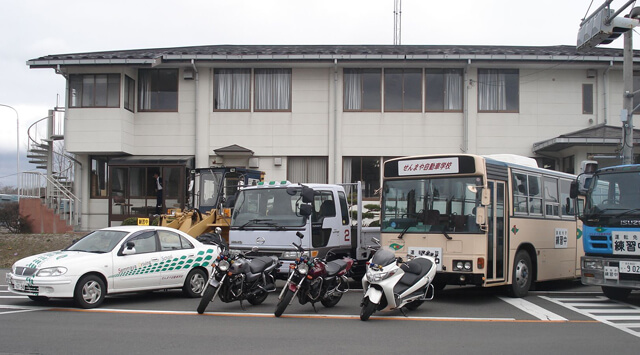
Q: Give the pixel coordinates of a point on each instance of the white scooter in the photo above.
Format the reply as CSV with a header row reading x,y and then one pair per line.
x,y
390,284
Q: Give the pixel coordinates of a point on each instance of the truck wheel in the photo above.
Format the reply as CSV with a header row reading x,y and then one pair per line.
x,y
614,293
209,292
283,303
522,275
367,309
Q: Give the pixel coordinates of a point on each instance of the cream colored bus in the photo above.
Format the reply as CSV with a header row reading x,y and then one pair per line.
x,y
488,220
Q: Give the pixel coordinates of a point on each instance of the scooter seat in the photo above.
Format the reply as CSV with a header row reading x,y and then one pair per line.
x,y
414,270
335,266
261,263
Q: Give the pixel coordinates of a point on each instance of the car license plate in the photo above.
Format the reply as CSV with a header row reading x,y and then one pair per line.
x,y
19,285
436,253
611,273
630,267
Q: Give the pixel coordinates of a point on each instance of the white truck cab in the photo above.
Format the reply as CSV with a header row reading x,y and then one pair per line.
x,y
269,216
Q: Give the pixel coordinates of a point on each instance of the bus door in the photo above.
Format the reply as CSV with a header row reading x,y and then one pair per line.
x,y
496,237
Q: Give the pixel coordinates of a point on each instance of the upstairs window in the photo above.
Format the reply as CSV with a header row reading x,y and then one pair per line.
x,y
94,90
158,90
232,89
273,89
403,90
498,90
129,93
362,89
443,90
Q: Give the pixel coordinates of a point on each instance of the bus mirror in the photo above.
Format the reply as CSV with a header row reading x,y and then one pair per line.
x,y
573,190
486,197
481,215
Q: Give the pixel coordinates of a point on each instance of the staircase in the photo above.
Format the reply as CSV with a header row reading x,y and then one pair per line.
x,y
55,186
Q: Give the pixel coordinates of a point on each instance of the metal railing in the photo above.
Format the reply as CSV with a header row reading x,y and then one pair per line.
x,y
53,194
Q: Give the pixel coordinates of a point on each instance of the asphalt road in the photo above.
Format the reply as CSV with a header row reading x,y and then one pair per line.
x,y
560,317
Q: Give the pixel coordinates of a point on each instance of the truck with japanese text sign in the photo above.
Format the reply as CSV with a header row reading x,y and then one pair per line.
x,y
270,215
611,230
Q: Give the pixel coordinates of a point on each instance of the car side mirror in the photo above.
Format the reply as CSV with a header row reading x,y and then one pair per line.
x,y
129,249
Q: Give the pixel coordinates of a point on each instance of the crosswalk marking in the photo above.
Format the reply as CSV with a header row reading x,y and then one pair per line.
x,y
533,309
619,315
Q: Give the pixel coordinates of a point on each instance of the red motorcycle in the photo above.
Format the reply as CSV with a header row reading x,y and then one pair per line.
x,y
313,280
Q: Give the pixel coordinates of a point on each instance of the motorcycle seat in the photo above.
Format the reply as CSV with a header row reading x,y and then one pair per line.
x,y
335,266
261,263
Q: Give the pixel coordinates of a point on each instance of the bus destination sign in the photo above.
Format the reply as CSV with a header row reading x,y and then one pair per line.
x,y
428,166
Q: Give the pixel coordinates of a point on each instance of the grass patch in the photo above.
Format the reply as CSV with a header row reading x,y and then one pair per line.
x,y
14,247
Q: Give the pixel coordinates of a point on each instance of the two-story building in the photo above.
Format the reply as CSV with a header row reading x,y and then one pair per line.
x,y
323,113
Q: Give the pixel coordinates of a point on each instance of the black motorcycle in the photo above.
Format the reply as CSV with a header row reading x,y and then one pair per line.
x,y
236,277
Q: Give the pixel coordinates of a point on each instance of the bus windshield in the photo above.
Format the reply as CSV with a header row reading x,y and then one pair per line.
x,y
267,208
613,193
431,205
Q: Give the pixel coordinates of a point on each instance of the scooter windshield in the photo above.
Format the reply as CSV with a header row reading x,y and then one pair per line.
x,y
383,257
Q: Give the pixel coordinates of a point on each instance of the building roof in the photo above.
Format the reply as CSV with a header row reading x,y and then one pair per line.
x,y
601,135
332,52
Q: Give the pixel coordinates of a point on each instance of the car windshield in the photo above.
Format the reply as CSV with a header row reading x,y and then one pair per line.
x,y
100,241
614,193
431,205
267,208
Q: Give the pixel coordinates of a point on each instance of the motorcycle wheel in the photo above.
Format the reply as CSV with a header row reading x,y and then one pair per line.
x,y
331,301
367,309
412,306
206,298
258,298
283,303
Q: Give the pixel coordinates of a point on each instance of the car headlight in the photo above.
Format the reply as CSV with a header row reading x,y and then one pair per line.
x,y
303,268
223,265
51,271
592,264
13,269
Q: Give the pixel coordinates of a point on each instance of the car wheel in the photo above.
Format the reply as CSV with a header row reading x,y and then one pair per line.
x,y
39,298
89,292
195,283
522,275
614,293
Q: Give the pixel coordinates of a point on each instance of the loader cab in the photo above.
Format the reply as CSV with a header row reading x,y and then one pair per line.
x,y
216,187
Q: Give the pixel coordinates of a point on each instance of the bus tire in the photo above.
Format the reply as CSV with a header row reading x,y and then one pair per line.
x,y
615,293
522,275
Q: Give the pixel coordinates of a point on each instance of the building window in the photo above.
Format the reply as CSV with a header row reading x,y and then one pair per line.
x,y
158,90
273,89
129,93
443,90
307,169
365,169
498,90
232,89
403,90
98,184
568,165
94,90
362,89
587,99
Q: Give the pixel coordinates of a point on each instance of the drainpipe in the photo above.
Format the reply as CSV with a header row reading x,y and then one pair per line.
x,y
335,122
195,114
465,110
605,84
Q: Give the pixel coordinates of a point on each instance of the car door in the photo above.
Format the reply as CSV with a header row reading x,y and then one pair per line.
x,y
140,270
176,258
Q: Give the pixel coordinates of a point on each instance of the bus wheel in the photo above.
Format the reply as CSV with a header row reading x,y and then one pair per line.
x,y
614,293
522,275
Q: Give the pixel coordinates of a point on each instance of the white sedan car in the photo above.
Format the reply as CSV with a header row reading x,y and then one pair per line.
x,y
116,260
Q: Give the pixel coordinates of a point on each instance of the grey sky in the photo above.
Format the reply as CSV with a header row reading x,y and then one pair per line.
x,y
30,29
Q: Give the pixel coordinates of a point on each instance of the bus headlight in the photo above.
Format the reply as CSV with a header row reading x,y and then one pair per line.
x,y
592,264
463,265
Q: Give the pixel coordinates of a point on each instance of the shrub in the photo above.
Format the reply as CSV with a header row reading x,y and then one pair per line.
x,y
131,221
375,223
372,207
365,215
10,218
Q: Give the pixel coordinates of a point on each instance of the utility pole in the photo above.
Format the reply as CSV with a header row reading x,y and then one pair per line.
x,y
627,122
397,22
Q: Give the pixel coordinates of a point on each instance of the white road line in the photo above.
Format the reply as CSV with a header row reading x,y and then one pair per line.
x,y
533,309
19,311
606,319
12,297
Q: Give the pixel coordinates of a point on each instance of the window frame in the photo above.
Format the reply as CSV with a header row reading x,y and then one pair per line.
x,y
404,90
435,71
249,88
80,97
362,72
156,73
129,95
587,99
256,72
102,160
507,91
